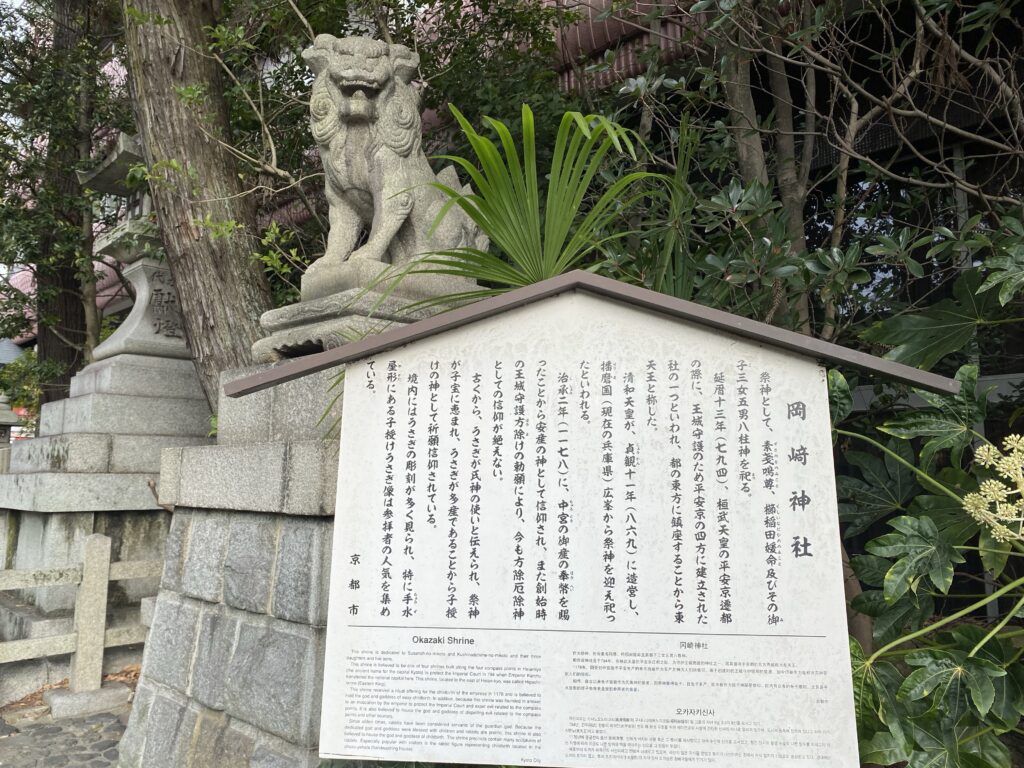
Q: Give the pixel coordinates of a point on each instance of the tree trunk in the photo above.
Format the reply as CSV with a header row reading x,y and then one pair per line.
x,y
61,324
743,117
87,271
789,176
197,192
60,316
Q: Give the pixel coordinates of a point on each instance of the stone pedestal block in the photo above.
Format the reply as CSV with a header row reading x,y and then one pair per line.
x,y
146,375
125,415
83,453
153,327
234,663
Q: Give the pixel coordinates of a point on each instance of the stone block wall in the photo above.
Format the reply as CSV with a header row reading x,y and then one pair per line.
x,y
233,669
234,663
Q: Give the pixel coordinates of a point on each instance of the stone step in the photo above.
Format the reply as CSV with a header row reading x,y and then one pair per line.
x,y
143,375
83,452
126,415
68,705
68,492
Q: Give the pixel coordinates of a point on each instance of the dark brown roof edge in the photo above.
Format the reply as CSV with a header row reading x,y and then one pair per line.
x,y
601,286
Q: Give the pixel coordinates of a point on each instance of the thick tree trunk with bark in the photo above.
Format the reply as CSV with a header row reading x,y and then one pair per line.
x,y
60,333
197,192
61,327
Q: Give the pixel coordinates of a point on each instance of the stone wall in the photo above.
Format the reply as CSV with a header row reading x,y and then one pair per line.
x,y
233,666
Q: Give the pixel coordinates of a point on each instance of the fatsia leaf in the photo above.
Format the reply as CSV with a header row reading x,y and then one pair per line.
x,y
919,549
941,575
944,758
928,732
967,636
840,399
948,516
870,602
948,422
865,699
888,545
937,741
891,620
923,338
952,681
901,577
983,693
874,700
870,569
984,751
1006,703
941,685
1006,269
884,749
886,488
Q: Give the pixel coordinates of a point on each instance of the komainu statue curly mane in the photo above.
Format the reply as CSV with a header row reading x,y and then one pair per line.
x,y
365,118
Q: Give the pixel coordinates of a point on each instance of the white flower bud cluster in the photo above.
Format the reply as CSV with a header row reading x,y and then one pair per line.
x,y
999,503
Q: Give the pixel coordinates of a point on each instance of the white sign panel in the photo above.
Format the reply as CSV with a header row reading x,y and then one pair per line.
x,y
582,534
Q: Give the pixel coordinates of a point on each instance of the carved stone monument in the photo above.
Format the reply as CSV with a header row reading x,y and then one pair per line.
x,y
384,205
94,466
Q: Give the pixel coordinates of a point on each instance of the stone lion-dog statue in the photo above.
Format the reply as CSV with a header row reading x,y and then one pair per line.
x,y
365,118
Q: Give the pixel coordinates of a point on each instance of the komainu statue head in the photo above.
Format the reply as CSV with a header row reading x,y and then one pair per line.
x,y
363,80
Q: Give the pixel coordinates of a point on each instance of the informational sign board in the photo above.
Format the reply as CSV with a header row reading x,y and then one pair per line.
x,y
583,534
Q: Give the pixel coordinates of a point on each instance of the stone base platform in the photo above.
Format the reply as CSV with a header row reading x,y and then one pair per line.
x,y
351,312
60,492
83,453
131,395
325,278
66,705
20,620
21,678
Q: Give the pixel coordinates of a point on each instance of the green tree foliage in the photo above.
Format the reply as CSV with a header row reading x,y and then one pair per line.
x,y
56,104
944,682
780,212
488,63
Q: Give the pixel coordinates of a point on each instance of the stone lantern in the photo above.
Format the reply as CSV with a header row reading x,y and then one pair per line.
x,y
95,464
8,419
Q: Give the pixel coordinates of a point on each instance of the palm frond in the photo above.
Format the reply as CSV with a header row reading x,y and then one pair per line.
x,y
536,236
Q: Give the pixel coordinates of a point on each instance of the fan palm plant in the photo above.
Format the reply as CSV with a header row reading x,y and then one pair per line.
x,y
536,235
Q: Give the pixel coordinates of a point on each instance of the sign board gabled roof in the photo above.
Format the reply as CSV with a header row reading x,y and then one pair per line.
x,y
643,298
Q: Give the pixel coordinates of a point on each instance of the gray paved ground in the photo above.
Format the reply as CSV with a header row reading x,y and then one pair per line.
x,y
89,742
